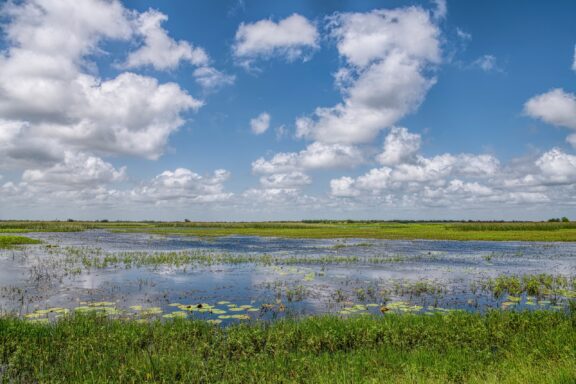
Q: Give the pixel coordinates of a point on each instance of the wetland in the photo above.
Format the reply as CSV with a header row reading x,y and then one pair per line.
x,y
355,292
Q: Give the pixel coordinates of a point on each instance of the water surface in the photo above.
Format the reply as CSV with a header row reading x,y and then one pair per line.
x,y
408,276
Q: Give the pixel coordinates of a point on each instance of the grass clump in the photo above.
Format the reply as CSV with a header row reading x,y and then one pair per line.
x,y
535,284
498,347
11,241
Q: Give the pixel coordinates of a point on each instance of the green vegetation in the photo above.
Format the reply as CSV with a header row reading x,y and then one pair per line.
x,y
498,347
11,241
527,231
537,285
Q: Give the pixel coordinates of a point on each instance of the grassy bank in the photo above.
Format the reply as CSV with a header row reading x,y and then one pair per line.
x,y
498,231
11,241
500,347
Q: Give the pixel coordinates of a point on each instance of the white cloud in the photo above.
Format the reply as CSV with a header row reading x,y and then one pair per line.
x,y
363,38
277,199
463,35
399,146
184,185
571,139
291,38
52,101
77,170
463,181
487,63
315,156
407,173
285,180
574,62
441,9
62,29
260,123
159,50
387,54
131,114
276,196
212,79
343,187
558,166
555,107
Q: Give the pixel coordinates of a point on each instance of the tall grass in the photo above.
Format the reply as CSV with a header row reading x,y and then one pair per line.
x,y
10,241
497,231
527,226
499,347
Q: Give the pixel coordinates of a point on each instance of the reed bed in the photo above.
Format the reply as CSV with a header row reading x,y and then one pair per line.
x,y
498,347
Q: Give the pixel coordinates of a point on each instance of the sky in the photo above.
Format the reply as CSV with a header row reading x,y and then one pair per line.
x,y
257,110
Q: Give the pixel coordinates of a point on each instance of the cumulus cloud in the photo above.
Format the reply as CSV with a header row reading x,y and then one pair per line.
x,y
260,123
211,79
387,55
343,187
77,170
555,107
315,156
558,166
287,170
159,50
293,179
399,146
52,101
184,185
292,38
406,172
462,181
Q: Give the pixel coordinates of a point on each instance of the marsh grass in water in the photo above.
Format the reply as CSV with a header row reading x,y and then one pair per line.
x,y
537,284
7,241
499,347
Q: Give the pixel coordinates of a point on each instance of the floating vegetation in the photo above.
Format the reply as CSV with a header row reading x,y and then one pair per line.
x,y
176,315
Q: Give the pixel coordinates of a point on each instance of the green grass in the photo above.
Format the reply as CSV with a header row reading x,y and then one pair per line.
x,y
11,241
499,347
497,231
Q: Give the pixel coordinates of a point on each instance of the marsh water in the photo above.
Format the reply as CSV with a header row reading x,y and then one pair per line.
x,y
237,278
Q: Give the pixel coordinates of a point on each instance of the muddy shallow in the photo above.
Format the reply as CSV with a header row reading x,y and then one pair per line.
x,y
406,276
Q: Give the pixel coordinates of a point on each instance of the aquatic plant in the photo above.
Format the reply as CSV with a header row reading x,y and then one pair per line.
x,y
11,241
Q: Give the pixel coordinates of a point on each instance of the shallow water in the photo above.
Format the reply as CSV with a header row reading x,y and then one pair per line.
x,y
405,276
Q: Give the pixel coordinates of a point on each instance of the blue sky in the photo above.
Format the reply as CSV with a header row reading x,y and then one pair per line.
x,y
259,110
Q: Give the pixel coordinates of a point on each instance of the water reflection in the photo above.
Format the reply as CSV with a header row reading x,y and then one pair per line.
x,y
425,275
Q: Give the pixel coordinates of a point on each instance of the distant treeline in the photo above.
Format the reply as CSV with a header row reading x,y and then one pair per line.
x,y
307,221
412,221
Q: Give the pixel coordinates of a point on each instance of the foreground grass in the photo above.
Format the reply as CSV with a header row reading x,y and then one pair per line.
x,y
526,231
10,241
499,347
